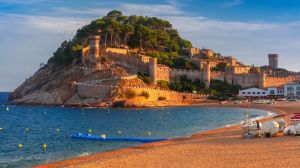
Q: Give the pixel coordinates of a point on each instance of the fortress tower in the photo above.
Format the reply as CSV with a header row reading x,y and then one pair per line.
x,y
206,74
94,51
153,69
262,80
273,60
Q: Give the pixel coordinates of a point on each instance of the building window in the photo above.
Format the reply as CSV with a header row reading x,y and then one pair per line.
x,y
249,92
258,92
253,92
243,92
263,92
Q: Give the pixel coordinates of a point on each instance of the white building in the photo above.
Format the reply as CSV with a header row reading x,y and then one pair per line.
x,y
253,92
276,91
256,92
292,90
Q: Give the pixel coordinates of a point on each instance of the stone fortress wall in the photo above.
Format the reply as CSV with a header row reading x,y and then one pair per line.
x,y
89,91
235,74
274,81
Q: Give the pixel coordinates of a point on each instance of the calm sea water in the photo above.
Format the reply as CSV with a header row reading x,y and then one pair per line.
x,y
43,122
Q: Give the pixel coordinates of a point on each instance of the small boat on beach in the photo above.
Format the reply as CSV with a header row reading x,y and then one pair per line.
x,y
251,127
295,118
270,128
290,130
282,124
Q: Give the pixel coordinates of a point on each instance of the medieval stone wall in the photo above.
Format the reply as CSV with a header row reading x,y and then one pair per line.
x,y
145,64
245,80
133,63
218,75
90,91
163,73
155,94
270,81
190,74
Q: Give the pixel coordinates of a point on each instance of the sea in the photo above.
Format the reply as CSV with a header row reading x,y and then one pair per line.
x,y
24,129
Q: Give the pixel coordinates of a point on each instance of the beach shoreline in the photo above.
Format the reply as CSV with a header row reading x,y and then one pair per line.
x,y
128,155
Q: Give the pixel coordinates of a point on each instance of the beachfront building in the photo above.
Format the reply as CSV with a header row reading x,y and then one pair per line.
x,y
292,90
253,92
274,91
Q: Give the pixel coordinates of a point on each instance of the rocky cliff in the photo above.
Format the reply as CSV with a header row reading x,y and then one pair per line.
x,y
73,86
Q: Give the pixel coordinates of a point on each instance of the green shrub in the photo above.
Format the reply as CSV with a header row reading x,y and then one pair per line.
x,y
130,94
145,94
163,84
144,77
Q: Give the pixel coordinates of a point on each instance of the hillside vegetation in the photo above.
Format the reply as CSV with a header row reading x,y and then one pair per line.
x,y
151,35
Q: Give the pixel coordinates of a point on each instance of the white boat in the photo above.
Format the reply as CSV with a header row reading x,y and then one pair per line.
x,y
282,124
251,127
297,129
290,130
282,99
270,128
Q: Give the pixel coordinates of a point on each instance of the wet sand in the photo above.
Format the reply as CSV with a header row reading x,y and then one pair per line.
x,y
222,147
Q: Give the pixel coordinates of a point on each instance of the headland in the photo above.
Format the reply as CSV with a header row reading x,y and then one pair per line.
x,y
136,61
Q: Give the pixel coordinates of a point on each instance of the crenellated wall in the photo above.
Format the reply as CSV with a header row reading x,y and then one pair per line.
x,y
278,81
154,94
190,74
235,75
245,80
88,91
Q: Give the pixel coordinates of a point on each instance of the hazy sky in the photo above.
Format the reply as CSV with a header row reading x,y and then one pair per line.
x,y
31,30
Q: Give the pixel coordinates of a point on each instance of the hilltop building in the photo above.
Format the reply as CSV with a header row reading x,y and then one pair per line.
x,y
234,71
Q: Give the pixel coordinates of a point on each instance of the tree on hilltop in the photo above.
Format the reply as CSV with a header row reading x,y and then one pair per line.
x,y
115,30
115,14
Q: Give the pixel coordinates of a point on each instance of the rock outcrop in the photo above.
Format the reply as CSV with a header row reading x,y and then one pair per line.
x,y
75,86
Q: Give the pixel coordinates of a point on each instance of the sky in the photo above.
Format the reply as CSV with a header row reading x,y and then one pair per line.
x,y
31,30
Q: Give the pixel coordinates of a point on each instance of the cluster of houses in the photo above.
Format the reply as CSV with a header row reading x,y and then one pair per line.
x,y
290,90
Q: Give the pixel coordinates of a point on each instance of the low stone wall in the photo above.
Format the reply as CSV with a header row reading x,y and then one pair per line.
x,y
155,94
86,91
92,91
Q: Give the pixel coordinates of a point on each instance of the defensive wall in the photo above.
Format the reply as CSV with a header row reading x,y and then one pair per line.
x,y
134,63
236,75
93,91
190,74
86,91
156,94
271,81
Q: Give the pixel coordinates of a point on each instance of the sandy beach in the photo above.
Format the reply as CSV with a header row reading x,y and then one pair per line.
x,y
222,147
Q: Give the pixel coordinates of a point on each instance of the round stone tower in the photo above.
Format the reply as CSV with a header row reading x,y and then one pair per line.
x,y
206,74
153,69
94,52
273,60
